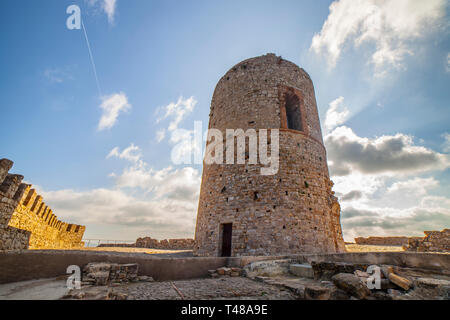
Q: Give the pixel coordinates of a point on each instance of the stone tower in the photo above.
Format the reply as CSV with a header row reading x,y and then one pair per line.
x,y
242,212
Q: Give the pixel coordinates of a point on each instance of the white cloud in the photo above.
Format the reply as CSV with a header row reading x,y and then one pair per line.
x,y
446,145
381,186
160,135
58,75
415,187
132,215
143,201
168,182
405,208
447,64
385,155
337,114
383,221
112,105
390,25
132,153
177,111
107,6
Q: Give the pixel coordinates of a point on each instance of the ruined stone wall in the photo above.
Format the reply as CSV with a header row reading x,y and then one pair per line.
x,y
171,244
434,241
148,242
26,222
382,241
293,211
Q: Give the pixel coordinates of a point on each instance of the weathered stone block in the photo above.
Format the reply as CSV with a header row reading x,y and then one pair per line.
x,y
302,270
351,284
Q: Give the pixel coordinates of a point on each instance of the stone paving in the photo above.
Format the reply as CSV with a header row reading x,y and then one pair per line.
x,y
206,289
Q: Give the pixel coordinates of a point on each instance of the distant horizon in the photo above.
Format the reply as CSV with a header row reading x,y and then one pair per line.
x,y
94,118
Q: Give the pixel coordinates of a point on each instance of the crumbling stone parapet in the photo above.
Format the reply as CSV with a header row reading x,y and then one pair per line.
x,y
434,241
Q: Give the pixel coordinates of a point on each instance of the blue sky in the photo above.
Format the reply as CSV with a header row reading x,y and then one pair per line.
x,y
381,74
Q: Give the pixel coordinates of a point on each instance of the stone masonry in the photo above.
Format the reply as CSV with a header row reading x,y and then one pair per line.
x,y
26,222
293,211
383,241
434,241
150,243
170,244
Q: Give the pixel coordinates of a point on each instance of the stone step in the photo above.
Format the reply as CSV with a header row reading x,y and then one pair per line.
x,y
302,270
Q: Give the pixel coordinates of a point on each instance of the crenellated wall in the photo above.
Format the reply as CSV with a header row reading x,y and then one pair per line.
x,y
26,222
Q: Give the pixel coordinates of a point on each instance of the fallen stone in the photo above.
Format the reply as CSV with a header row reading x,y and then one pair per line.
x,y
101,273
430,287
224,271
326,270
351,284
386,284
302,270
403,283
234,274
96,267
100,277
314,292
271,268
361,274
297,288
431,283
261,279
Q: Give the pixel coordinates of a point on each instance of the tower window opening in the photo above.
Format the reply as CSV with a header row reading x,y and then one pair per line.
x,y
293,112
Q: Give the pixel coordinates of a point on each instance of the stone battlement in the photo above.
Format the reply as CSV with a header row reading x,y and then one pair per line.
x,y
26,222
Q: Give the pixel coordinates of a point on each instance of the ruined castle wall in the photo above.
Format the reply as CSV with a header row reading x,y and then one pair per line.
x,y
26,222
382,241
11,238
293,211
150,243
434,241
171,244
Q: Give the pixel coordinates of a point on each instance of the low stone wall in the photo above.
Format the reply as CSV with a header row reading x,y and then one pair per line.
x,y
171,244
117,245
434,241
26,222
382,241
150,243
39,264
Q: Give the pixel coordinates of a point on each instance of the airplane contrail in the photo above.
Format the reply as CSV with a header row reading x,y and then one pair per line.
x,y
92,59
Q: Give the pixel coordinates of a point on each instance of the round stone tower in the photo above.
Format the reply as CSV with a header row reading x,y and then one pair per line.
x,y
243,212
